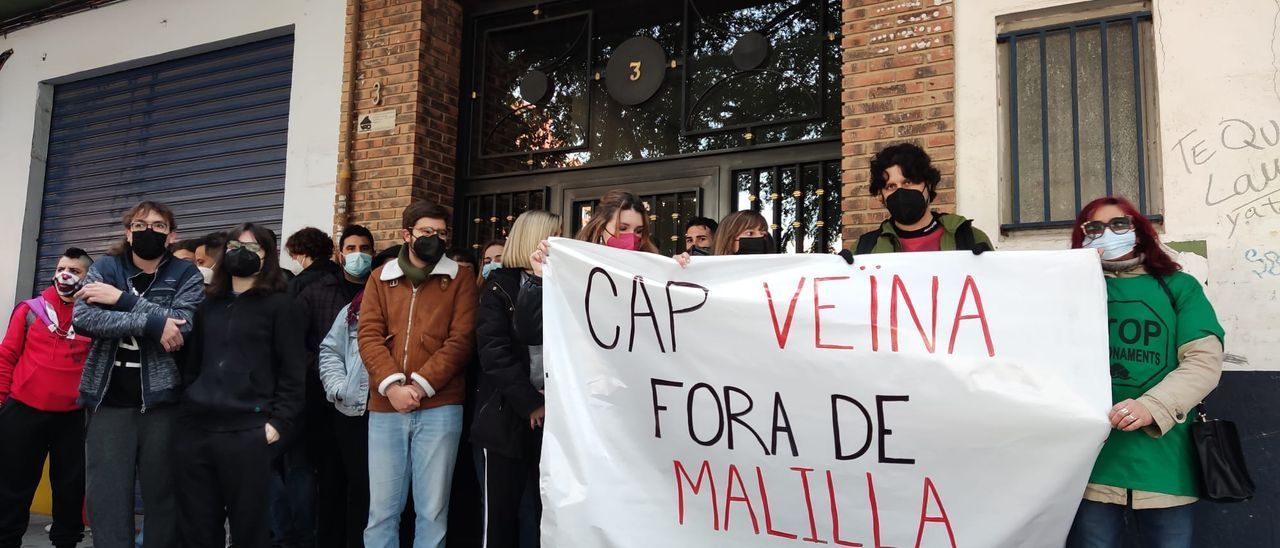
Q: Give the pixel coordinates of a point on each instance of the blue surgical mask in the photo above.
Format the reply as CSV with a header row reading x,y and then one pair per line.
x,y
358,264
1113,245
489,268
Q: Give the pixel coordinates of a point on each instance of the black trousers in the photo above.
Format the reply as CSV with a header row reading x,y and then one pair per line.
x,y
343,483
507,482
224,477
28,436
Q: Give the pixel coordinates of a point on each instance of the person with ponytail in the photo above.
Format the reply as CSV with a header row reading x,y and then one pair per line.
x,y
243,381
1166,356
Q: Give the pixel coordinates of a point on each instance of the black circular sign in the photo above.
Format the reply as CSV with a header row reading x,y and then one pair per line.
x,y
750,51
636,70
535,87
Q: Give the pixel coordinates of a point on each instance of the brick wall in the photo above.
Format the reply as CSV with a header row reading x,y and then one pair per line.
x,y
897,85
407,55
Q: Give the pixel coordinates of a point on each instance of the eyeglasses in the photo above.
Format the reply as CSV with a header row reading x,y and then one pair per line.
x,y
429,232
1119,225
158,226
253,247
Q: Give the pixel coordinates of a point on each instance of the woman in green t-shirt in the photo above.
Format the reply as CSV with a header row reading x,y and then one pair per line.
x,y
1166,356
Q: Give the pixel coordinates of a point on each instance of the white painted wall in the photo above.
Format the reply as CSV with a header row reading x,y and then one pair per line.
x,y
138,29
1216,62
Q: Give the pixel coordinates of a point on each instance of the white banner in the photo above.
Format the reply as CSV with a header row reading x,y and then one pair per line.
x,y
912,399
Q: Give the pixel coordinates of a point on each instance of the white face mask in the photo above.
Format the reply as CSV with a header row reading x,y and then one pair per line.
x,y
207,273
1113,245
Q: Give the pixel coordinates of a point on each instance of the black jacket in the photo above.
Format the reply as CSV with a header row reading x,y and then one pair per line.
x,y
245,363
506,396
529,311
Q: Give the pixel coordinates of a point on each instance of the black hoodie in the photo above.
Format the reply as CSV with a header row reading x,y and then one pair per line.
x,y
246,362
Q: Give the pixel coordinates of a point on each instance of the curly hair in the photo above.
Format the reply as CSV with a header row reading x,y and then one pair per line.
x,y
914,163
310,242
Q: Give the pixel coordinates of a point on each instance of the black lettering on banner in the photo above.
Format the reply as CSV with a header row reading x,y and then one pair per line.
x,y
617,330
653,386
779,411
835,424
719,413
735,417
885,431
671,306
637,283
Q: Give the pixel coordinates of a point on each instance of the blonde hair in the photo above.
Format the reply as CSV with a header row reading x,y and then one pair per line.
x,y
733,225
607,209
530,228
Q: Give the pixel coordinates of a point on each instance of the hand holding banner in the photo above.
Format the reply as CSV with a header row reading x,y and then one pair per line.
x,y
912,399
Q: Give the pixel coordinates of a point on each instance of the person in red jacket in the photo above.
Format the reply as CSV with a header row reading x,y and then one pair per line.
x,y
41,359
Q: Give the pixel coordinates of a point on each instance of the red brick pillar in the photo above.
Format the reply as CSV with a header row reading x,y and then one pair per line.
x,y
898,85
407,56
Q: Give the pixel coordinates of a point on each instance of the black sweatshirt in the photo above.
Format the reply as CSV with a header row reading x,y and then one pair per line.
x,y
246,363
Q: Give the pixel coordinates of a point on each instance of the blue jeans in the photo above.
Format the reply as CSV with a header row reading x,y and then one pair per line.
x,y
421,446
1100,525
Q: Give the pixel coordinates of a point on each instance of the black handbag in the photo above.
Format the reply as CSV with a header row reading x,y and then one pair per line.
x,y
1224,476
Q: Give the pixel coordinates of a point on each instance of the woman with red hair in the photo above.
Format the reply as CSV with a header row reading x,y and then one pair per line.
x,y
1165,356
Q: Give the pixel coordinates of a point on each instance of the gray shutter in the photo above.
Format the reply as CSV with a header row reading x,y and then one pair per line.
x,y
204,134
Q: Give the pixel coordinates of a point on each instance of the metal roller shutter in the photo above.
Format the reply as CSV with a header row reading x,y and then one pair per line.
x,y
204,134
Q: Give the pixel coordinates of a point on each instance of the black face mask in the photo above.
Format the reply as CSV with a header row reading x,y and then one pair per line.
x,y
429,248
241,263
699,251
907,206
752,246
148,244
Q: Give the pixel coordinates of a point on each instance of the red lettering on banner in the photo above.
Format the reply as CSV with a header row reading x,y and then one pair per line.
x,y
764,501
695,485
783,332
818,307
981,316
808,503
931,492
835,513
875,320
875,512
736,491
729,499
900,289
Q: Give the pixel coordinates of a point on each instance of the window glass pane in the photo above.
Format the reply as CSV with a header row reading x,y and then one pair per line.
x,y
535,87
724,92
1030,154
1062,205
742,186
831,207
1093,177
577,123
1124,128
787,233
768,188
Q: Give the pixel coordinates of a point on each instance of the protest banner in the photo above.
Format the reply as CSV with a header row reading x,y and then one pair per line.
x,y
910,399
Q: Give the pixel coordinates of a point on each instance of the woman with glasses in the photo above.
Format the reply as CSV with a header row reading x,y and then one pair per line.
x,y
243,389
1165,357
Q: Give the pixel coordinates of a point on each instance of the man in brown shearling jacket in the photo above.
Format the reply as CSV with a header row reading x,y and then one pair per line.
x,y
415,334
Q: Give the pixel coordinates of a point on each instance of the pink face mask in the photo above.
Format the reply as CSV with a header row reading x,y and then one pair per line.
x,y
626,242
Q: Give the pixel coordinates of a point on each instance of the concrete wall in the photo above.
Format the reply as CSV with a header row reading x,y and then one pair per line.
x,y
1218,90
139,32
1218,86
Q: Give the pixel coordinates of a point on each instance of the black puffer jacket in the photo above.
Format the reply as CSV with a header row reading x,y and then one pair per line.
x,y
506,396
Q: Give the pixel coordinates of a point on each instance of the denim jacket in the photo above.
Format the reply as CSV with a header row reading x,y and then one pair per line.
x,y
346,383
177,290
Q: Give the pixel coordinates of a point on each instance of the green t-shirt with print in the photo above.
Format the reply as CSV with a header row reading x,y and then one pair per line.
x,y
1146,331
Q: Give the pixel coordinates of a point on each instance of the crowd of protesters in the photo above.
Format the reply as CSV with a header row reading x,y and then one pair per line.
x,y
259,408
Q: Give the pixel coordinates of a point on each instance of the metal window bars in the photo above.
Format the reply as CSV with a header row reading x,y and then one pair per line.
x,y
1038,38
